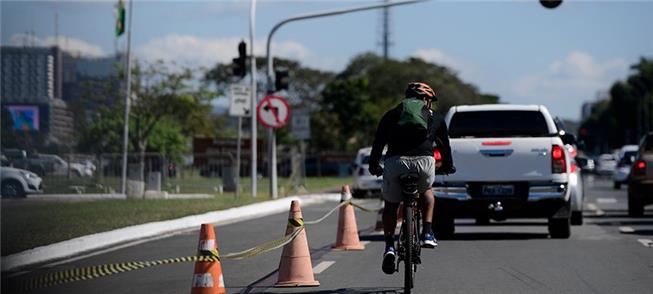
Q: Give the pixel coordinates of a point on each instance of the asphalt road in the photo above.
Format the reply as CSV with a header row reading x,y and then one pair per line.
x,y
610,253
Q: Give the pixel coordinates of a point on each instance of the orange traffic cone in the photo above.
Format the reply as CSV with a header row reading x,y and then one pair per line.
x,y
347,238
207,277
295,268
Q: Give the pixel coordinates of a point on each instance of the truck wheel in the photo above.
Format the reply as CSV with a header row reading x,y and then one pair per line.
x,y
12,189
576,218
635,209
443,226
560,228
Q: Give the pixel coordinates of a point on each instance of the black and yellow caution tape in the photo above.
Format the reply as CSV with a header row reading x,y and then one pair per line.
x,y
363,208
92,272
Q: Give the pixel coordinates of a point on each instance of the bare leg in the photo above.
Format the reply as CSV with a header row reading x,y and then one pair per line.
x,y
389,221
428,204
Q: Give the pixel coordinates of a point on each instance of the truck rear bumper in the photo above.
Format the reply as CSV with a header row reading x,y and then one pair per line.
x,y
538,200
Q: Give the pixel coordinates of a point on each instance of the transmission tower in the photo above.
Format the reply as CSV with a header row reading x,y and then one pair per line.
x,y
385,31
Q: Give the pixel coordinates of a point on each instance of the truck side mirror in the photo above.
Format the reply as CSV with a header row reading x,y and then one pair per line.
x,y
568,139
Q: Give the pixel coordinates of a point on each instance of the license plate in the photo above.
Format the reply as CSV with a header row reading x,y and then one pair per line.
x,y
494,190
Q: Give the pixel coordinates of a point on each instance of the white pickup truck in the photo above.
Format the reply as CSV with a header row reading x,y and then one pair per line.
x,y
511,163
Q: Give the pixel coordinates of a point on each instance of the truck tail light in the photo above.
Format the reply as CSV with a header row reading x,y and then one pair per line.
x,y
436,154
639,168
558,161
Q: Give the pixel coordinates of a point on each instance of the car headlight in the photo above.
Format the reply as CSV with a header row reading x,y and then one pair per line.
x,y
29,176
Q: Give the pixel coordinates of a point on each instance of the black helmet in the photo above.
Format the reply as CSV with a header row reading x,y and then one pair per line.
x,y
420,90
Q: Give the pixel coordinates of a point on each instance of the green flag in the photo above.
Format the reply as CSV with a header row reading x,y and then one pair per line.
x,y
120,19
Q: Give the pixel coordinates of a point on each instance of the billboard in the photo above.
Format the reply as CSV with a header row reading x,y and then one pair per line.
x,y
25,117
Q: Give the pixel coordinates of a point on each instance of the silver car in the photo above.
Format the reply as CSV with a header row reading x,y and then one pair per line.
x,y
19,182
365,184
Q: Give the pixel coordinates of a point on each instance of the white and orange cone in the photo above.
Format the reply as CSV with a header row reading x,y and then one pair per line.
x,y
295,268
207,276
347,238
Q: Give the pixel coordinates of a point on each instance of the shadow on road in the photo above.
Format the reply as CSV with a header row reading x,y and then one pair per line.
x,y
497,236
503,224
389,290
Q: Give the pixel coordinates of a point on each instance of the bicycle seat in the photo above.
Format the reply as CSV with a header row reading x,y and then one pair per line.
x,y
408,183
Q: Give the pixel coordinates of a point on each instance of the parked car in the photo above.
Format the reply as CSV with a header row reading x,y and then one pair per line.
x,y
640,180
511,163
626,157
365,184
606,164
17,182
56,166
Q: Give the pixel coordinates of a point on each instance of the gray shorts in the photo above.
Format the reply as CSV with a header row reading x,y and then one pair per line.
x,y
397,165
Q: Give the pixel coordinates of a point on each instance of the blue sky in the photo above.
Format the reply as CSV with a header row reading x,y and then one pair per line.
x,y
516,49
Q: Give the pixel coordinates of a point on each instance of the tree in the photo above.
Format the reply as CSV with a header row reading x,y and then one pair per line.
x,y
626,116
166,110
354,102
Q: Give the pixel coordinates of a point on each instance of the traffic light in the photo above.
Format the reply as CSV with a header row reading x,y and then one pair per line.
x,y
281,79
239,68
550,3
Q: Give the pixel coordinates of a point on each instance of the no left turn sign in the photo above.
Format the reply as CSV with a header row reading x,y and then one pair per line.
x,y
273,111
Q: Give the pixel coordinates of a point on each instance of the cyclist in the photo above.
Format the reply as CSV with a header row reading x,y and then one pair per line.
x,y
410,149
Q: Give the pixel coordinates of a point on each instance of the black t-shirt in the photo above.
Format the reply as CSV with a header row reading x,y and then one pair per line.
x,y
404,144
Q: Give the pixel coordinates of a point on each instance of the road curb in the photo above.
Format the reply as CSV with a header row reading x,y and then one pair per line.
x,y
97,241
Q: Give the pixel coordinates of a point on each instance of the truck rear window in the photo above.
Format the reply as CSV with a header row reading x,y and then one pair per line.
x,y
500,123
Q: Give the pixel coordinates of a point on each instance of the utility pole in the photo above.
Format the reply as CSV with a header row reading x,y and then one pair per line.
x,y
125,142
386,31
270,66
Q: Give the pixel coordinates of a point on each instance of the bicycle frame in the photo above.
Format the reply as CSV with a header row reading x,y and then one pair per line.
x,y
408,245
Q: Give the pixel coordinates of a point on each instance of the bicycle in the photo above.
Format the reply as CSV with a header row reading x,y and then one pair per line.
x,y
408,245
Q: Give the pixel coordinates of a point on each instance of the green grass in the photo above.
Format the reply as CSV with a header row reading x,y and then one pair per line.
x,y
27,224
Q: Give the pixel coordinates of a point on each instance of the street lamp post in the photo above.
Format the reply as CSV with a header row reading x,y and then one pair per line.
x,y
252,109
270,69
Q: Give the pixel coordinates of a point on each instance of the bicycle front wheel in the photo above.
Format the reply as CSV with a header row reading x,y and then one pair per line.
x,y
408,245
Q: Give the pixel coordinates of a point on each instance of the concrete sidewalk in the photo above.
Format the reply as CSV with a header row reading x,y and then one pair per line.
x,y
82,197
85,244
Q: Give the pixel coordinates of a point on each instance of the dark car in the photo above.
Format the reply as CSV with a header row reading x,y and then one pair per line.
x,y
640,181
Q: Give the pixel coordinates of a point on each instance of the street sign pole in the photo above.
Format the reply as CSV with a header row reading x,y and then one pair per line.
x,y
274,112
240,137
273,163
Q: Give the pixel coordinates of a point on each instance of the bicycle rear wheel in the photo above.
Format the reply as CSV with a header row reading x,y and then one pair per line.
x,y
409,249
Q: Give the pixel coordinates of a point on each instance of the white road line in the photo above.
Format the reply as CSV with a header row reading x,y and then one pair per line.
x,y
322,266
606,200
365,243
626,230
646,242
596,209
